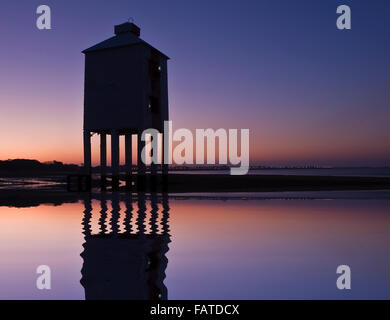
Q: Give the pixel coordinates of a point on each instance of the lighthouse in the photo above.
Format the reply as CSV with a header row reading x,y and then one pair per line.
x,y
125,92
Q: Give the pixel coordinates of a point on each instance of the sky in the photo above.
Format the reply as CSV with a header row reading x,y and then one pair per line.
x,y
309,93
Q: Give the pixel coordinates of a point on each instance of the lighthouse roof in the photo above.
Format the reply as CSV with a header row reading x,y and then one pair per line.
x,y
126,34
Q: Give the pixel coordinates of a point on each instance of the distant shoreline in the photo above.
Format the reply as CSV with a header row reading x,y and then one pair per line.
x,y
34,168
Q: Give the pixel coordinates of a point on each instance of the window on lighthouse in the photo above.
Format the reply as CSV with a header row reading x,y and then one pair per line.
x,y
154,69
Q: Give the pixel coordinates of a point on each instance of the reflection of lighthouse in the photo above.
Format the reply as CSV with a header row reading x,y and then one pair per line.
x,y
128,265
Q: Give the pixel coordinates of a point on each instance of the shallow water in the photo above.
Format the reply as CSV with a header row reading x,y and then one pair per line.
x,y
198,248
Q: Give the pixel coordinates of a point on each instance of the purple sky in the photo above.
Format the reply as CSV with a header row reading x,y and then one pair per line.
x,y
309,93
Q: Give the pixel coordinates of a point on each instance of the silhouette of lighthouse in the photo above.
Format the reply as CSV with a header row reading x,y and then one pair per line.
x,y
125,92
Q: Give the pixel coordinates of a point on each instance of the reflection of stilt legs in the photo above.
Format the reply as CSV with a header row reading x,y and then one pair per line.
x,y
128,214
141,214
103,216
115,214
87,217
125,265
165,211
154,213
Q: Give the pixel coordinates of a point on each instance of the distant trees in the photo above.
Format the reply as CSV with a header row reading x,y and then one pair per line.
x,y
29,166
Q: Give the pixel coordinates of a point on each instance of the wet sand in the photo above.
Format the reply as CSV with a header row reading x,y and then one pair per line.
x,y
56,194
269,183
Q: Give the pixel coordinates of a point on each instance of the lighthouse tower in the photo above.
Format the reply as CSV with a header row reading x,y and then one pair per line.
x,y
125,92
